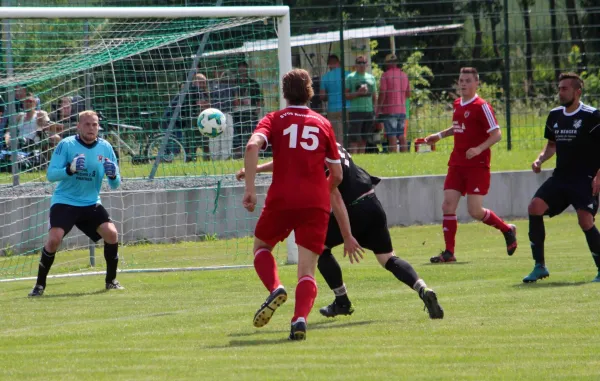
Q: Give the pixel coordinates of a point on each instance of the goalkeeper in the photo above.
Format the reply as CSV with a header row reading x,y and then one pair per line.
x,y
358,213
79,164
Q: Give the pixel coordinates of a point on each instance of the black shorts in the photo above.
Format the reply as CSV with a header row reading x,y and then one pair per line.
x,y
361,126
369,226
86,218
559,193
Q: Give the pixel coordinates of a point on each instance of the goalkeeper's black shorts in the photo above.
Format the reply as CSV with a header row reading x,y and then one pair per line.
x,y
86,218
368,223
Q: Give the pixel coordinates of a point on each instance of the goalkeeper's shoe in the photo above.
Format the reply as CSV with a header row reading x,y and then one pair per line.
x,y
511,239
445,256
597,278
539,272
335,309
429,297
298,331
114,285
37,291
266,311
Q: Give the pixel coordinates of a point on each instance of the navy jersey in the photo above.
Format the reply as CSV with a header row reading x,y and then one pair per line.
x,y
577,137
83,187
356,181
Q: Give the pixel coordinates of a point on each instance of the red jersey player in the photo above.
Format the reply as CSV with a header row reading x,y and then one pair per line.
x,y
299,196
475,130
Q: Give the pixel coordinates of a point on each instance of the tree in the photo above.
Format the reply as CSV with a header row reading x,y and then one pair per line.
x,y
492,10
525,5
591,28
575,31
554,39
474,8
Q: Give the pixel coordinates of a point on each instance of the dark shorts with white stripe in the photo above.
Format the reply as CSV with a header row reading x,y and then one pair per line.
x,y
368,223
560,192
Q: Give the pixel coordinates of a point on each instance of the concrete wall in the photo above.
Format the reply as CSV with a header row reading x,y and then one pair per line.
x,y
189,214
418,199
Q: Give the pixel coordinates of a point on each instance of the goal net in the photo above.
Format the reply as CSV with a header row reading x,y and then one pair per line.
x,y
148,72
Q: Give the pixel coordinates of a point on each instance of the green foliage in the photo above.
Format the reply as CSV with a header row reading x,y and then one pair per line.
x,y
420,77
574,57
375,69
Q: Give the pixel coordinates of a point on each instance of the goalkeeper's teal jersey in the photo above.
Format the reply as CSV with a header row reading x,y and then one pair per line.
x,y
83,187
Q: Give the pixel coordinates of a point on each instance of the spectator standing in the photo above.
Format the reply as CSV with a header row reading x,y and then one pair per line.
x,y
331,92
394,90
361,90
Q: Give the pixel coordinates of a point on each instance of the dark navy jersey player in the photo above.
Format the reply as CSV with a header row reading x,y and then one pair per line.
x,y
79,164
573,133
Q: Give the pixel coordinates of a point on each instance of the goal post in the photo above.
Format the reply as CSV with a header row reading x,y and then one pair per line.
x,y
129,62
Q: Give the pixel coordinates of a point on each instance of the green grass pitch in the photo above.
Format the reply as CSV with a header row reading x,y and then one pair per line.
x,y
198,325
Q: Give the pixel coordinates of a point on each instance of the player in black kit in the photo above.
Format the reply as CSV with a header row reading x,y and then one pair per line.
x,y
573,133
358,219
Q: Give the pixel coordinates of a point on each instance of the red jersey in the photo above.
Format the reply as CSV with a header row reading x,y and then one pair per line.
x,y
472,123
302,141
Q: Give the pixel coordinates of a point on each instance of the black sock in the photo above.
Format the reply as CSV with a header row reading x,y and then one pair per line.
x,y
332,272
402,270
592,237
112,259
537,236
46,261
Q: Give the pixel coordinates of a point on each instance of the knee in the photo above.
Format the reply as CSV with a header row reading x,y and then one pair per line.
x,y
384,258
586,222
110,235
448,207
537,207
53,242
476,212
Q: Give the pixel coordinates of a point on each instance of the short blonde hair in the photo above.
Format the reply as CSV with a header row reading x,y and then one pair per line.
x,y
87,113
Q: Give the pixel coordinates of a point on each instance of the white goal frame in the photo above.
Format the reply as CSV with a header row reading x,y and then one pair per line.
x,y
282,13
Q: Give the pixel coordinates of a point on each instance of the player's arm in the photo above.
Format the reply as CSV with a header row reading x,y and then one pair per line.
x,y
548,151
266,167
487,118
550,148
60,166
111,168
250,163
351,246
336,175
434,138
495,137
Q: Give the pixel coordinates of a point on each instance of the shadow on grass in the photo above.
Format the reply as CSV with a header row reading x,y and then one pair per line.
x,y
327,324
446,263
548,284
72,294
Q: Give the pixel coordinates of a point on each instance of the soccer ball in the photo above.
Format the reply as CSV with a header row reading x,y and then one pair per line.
x,y
211,122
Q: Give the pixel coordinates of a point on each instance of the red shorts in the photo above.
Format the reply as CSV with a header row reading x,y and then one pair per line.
x,y
309,226
468,180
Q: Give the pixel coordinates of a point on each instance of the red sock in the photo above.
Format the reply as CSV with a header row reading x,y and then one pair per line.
x,y
490,218
306,293
450,226
266,268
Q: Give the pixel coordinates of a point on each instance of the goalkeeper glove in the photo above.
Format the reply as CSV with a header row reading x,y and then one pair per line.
x,y
78,163
110,169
